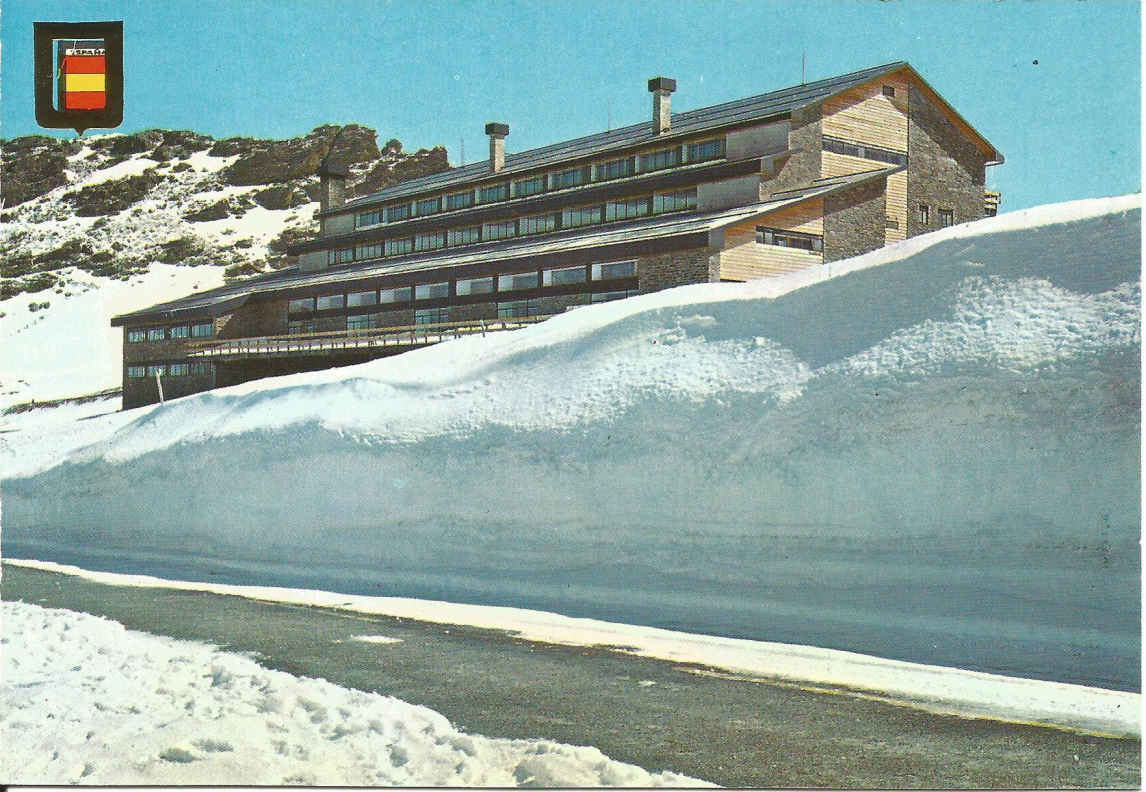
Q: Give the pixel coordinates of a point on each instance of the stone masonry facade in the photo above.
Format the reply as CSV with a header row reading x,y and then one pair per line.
x,y
676,269
854,220
947,171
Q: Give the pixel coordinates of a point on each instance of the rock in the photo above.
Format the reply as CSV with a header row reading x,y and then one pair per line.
x,y
424,163
179,250
393,146
229,147
216,211
278,161
286,196
113,196
123,146
32,166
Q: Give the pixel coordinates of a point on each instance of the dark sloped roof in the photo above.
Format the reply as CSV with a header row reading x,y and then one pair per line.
x,y
228,297
687,123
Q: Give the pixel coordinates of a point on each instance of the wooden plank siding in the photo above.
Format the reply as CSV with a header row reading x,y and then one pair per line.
x,y
743,258
866,115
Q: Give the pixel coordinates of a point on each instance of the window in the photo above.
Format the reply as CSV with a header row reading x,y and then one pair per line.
x,y
179,369
300,326
460,200
615,269
790,239
569,178
363,219
363,321
343,256
658,160
924,214
498,230
560,277
153,370
863,151
474,286
431,316
674,202
889,90
946,218
156,334
183,331
396,213
512,310
396,247
303,305
495,192
890,222
200,368
609,296
465,236
432,291
430,241
202,330
706,150
135,372
399,295
538,224
623,210
372,251
430,205
136,336
584,215
529,186
517,281
330,301
615,169
356,299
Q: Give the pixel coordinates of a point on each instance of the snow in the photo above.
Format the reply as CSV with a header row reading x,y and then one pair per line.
x,y
949,691
932,456
85,700
71,349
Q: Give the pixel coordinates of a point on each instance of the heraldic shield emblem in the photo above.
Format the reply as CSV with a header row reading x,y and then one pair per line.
x,y
79,75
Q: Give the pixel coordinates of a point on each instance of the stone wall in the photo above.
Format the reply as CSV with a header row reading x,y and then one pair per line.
x,y
854,220
555,305
675,269
946,170
805,142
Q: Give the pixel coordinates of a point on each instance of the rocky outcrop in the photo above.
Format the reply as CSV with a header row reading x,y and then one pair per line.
x,y
33,166
112,196
278,161
425,162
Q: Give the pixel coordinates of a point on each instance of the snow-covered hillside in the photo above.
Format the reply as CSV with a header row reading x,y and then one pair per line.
x,y
112,223
932,456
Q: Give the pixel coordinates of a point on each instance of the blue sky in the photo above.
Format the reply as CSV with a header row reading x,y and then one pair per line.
x,y
434,73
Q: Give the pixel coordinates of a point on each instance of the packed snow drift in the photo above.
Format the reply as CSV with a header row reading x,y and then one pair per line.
x,y
86,701
931,456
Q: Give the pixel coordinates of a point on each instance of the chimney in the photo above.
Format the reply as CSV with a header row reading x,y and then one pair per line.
x,y
497,133
661,87
332,183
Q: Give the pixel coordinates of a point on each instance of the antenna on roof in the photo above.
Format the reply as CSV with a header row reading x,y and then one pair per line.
x,y
803,68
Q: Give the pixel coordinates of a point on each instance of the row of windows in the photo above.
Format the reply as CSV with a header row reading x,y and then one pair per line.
x,y
546,182
195,368
137,335
576,217
863,151
946,216
789,239
464,287
512,309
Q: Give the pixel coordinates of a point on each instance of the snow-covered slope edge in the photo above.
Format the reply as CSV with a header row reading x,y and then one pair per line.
x,y
161,711
933,460
949,691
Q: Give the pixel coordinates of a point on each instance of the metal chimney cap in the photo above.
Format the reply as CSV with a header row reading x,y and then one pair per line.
x,y
497,128
666,84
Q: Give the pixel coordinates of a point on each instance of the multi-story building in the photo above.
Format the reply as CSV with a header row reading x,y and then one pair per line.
x,y
753,188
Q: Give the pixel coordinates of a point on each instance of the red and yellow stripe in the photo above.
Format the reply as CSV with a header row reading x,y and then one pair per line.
x,y
85,82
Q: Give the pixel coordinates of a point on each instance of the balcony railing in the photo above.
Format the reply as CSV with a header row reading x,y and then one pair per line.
x,y
350,340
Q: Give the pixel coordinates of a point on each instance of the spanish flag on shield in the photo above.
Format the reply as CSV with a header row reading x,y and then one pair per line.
x,y
83,78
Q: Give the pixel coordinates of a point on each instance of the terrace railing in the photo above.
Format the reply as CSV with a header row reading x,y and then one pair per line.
x,y
350,340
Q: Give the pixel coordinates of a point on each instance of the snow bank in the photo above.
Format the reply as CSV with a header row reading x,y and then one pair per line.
x,y
935,460
86,701
949,691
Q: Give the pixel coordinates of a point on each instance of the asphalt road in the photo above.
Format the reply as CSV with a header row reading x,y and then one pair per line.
x,y
656,714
